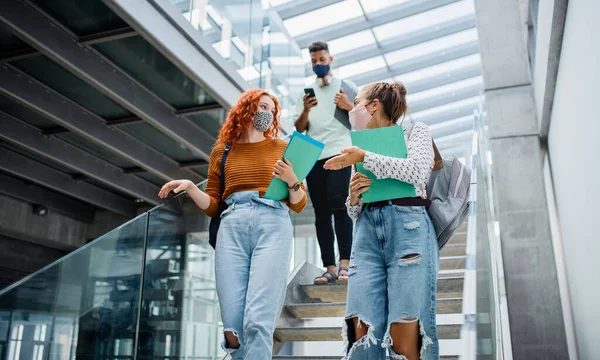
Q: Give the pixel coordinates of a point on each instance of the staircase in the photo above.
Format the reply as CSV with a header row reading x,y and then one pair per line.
x,y
308,306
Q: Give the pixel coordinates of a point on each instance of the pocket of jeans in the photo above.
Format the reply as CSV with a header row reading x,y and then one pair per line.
x,y
282,213
409,209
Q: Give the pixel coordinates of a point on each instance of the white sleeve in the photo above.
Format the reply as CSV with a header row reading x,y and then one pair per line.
x,y
354,211
415,168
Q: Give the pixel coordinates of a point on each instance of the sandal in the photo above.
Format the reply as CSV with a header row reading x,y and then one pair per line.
x,y
329,277
343,273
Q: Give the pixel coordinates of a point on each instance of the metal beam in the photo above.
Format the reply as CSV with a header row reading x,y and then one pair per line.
x,y
29,92
136,120
299,7
34,194
91,39
25,135
417,63
445,98
377,18
397,43
162,25
109,35
43,175
51,40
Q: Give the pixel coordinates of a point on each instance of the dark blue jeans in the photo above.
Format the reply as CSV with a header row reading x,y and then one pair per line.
x,y
328,191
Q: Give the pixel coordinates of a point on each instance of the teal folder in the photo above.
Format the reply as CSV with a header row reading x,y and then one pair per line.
x,y
388,141
302,152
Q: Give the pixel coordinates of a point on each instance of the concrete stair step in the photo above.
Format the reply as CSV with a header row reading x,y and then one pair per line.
x,y
454,249
448,287
452,262
335,333
338,309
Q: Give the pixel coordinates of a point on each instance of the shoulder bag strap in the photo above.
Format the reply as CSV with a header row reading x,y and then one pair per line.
x,y
223,161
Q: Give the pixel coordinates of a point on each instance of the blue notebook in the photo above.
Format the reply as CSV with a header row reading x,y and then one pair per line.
x,y
387,141
302,152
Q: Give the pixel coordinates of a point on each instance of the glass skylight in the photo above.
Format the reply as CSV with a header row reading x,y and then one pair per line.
x,y
424,20
350,42
429,47
374,5
360,67
439,69
446,89
472,101
323,17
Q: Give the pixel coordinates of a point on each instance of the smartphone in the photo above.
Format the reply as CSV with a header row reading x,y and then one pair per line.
x,y
310,92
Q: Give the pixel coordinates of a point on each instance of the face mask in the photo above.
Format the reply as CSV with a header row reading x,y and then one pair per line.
x,y
263,120
359,117
321,70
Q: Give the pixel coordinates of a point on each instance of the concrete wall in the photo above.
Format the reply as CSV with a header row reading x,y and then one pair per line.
x,y
574,147
29,242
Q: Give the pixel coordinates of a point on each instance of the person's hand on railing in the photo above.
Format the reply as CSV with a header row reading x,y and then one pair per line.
x,y
175,186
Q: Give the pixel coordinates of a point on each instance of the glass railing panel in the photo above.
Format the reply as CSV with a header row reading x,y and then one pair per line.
x,y
179,313
84,305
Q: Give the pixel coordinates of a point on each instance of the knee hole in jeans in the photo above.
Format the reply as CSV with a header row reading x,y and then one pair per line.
x,y
410,259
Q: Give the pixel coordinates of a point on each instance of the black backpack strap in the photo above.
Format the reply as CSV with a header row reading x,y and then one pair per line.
x,y
223,161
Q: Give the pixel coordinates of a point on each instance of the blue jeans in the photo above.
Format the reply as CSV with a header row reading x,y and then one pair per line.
x,y
252,258
392,279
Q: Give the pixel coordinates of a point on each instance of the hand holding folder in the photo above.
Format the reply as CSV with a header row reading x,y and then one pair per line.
x,y
302,152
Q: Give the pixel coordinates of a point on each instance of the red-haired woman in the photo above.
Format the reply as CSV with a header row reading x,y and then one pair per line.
x,y
254,242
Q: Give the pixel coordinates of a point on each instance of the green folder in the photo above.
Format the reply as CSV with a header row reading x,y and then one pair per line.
x,y
302,152
388,141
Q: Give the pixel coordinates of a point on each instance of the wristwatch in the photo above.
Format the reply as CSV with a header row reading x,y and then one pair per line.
x,y
294,187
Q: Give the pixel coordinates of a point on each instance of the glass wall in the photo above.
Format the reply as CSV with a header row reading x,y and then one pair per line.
x,y
144,290
493,335
251,36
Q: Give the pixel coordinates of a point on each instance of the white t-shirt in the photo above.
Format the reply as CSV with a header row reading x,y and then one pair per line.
x,y
322,125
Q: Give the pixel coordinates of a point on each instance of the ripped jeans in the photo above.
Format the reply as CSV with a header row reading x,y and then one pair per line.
x,y
392,278
252,260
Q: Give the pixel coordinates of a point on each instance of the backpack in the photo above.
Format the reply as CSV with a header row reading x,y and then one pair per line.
x,y
215,222
448,189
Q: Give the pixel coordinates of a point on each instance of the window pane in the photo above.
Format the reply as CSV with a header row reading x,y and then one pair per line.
x,y
323,17
476,81
424,20
143,62
448,108
439,69
432,46
82,17
360,67
64,82
350,42
372,6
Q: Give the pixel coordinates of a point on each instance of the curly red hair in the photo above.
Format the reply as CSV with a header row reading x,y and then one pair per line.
x,y
242,114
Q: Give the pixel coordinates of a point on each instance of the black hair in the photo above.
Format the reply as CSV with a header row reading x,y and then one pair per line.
x,y
318,46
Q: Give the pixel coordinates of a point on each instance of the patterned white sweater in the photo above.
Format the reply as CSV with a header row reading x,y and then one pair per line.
x,y
415,169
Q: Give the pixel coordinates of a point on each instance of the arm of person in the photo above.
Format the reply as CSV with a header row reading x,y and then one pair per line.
x,y
359,183
414,168
296,199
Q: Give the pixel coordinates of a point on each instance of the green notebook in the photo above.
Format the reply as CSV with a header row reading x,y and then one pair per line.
x,y
388,141
302,152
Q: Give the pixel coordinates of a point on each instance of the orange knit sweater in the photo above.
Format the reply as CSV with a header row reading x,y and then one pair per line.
x,y
249,166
